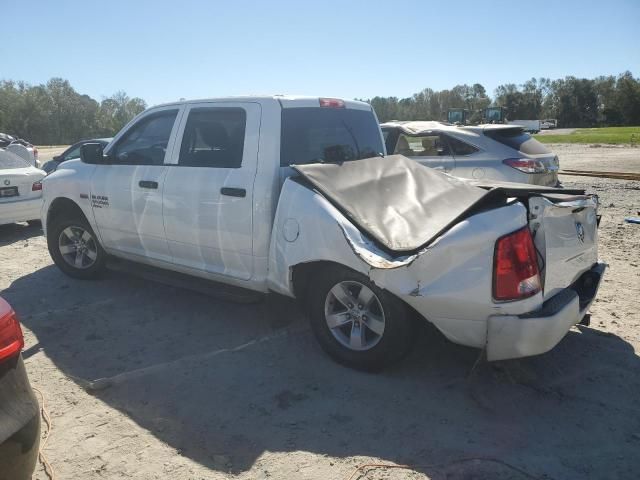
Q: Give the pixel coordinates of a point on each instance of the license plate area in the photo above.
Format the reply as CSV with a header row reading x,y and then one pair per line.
x,y
8,192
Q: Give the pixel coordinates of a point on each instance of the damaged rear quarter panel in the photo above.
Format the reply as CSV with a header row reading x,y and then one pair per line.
x,y
449,283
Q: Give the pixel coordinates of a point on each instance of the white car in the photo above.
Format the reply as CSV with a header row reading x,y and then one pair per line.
x,y
294,195
496,152
20,147
20,189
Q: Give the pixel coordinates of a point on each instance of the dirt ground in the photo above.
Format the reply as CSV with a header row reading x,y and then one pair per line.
x,y
200,388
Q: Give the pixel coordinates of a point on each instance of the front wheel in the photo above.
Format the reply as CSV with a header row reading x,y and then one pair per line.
x,y
357,323
75,249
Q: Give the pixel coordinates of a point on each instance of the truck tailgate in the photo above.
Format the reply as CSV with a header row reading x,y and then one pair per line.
x,y
565,230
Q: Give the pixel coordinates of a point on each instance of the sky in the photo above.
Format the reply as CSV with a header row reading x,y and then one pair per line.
x,y
165,50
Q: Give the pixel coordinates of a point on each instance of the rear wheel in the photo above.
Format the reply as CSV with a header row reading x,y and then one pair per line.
x,y
357,323
75,249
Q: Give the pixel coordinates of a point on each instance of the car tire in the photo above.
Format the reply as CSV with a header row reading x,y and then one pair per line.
x,y
75,249
357,323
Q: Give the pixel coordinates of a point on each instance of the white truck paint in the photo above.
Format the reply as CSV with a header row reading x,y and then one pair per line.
x,y
257,240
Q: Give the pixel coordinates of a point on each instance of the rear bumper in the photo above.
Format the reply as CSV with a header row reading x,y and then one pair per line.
x,y
20,211
514,336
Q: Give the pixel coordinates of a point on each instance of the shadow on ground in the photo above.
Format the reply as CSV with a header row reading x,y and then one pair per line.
x,y
16,232
572,413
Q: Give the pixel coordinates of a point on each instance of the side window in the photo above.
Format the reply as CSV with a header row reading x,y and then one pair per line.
x,y
422,146
146,142
213,137
460,148
75,153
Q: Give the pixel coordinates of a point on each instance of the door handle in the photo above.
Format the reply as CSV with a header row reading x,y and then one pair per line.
x,y
148,184
233,192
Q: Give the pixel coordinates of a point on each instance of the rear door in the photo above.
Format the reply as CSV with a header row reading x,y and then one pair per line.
x,y
208,194
430,149
126,194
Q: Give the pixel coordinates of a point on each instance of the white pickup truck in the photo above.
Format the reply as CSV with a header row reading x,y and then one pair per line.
x,y
296,196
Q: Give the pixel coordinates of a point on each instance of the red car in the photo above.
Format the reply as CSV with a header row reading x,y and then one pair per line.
x,y
19,410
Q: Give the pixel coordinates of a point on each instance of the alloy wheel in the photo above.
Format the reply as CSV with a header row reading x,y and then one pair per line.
x,y
354,315
78,247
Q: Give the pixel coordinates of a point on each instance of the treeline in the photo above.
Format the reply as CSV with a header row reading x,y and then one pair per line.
x,y
575,102
55,114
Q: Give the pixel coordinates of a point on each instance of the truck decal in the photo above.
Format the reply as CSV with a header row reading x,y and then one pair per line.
x,y
99,201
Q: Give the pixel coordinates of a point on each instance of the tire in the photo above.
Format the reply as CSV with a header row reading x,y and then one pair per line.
x,y
367,336
64,237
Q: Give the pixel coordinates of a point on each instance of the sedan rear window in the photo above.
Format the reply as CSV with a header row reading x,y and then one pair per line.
x,y
319,135
517,139
9,160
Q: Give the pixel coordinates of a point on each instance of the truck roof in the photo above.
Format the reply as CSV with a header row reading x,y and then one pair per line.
x,y
286,101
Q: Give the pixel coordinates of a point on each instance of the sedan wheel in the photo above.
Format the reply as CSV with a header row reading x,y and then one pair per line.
x,y
78,247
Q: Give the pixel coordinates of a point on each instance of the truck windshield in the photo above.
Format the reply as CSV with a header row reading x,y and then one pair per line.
x,y
328,135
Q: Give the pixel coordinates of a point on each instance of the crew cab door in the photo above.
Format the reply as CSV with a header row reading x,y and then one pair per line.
x,y
208,191
430,149
126,193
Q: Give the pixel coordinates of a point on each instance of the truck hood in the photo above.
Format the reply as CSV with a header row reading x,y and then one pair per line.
x,y
399,203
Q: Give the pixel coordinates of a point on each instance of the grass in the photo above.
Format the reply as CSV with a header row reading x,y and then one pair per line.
x,y
610,135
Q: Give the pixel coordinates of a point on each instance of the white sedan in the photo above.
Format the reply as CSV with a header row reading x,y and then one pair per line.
x,y
20,189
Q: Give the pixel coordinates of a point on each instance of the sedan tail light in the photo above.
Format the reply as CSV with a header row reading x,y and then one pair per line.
x,y
515,267
36,187
526,165
11,339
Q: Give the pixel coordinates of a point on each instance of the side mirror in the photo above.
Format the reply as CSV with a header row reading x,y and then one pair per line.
x,y
92,153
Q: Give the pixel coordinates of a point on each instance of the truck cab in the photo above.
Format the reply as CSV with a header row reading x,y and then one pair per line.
x,y
180,174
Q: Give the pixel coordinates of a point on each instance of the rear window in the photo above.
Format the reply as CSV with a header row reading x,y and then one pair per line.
x,y
319,135
9,160
517,139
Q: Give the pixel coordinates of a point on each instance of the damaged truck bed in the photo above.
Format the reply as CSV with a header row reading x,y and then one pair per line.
x,y
405,206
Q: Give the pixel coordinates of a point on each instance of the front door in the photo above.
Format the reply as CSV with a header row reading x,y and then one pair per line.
x,y
126,193
208,191
431,150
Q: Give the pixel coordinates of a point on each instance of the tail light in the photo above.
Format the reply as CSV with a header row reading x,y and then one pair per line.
x,y
331,103
11,340
36,187
526,165
515,267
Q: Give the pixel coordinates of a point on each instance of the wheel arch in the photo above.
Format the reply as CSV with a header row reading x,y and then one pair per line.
x,y
301,275
63,207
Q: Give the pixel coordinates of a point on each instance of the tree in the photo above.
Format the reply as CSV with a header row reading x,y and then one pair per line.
x,y
56,113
